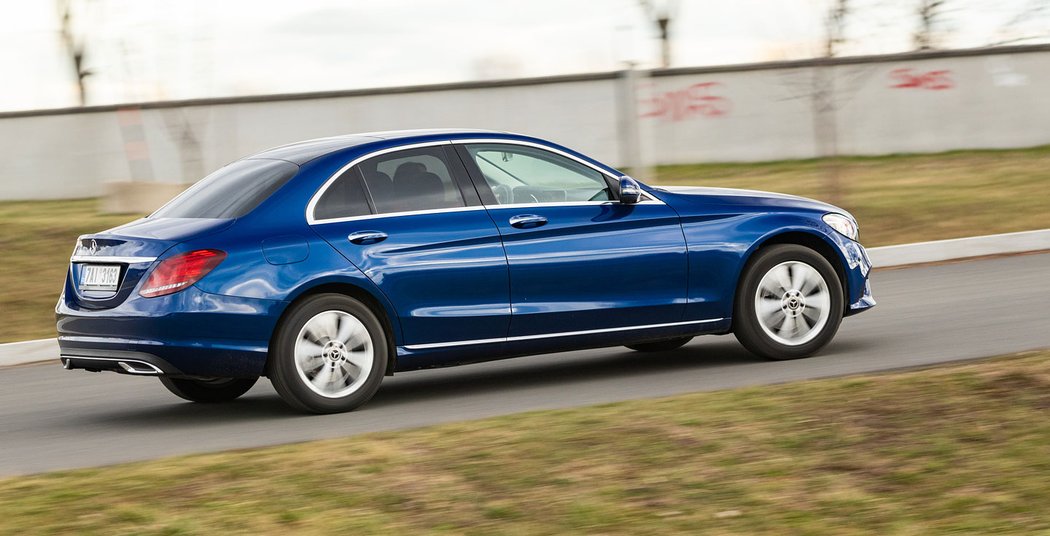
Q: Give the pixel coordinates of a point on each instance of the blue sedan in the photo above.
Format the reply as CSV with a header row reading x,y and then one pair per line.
x,y
327,264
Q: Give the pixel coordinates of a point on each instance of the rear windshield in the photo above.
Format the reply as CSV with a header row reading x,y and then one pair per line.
x,y
230,192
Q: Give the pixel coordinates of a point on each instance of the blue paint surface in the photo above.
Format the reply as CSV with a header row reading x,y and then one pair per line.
x,y
453,286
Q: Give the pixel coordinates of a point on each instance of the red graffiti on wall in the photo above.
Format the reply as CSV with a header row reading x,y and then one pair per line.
x,y
695,100
932,80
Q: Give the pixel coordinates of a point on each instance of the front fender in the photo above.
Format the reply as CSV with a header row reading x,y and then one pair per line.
x,y
720,246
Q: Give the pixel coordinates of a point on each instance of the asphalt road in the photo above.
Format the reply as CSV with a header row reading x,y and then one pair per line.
x,y
51,418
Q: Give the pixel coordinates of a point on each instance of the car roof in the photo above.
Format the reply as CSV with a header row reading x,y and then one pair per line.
x,y
305,151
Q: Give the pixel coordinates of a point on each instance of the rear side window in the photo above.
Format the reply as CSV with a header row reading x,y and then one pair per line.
x,y
231,191
345,198
409,180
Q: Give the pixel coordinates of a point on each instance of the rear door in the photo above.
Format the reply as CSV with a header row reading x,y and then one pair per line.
x,y
579,260
413,223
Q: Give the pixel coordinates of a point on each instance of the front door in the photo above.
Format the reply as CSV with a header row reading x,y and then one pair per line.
x,y
413,224
579,260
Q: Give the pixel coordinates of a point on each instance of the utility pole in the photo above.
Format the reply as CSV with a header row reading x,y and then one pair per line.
x,y
930,12
825,120
74,47
631,134
662,15
835,27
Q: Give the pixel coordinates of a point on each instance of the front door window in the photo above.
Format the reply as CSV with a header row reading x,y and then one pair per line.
x,y
521,174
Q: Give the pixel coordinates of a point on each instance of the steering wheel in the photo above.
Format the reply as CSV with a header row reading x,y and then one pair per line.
x,y
502,193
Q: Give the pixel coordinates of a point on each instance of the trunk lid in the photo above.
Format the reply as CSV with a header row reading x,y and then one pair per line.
x,y
127,252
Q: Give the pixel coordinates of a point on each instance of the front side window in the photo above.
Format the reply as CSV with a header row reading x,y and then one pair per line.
x,y
410,180
231,191
521,174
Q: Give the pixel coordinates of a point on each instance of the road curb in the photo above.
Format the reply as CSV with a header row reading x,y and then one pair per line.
x,y
20,353
959,248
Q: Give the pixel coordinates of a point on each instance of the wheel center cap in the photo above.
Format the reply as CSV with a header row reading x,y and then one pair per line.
x,y
333,351
793,303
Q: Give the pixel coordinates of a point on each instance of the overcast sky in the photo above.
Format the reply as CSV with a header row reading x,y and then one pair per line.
x,y
144,50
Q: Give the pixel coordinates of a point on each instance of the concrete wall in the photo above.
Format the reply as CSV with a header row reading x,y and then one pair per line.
x,y
893,105
871,105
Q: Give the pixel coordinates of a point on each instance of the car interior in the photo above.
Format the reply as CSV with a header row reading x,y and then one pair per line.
x,y
524,178
411,184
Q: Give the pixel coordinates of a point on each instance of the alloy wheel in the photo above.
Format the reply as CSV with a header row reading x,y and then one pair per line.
x,y
334,354
792,303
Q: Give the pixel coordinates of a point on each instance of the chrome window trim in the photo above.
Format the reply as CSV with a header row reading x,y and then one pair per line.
x,y
566,204
324,187
397,214
428,346
110,260
537,146
649,199
473,208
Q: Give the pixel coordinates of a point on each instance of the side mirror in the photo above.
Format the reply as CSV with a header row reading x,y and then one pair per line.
x,y
630,191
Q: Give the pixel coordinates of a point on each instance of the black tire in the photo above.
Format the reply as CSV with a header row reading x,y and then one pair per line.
x,y
746,325
660,346
208,391
285,375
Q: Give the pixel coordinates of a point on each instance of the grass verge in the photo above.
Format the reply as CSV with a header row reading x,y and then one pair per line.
x,y
964,449
897,199
37,238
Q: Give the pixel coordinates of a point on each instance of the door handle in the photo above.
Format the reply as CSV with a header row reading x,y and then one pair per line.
x,y
366,237
527,221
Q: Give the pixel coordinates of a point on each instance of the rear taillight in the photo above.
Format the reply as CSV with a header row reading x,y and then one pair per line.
x,y
180,271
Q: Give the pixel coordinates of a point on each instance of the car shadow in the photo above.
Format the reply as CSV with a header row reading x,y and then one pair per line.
x,y
557,369
263,404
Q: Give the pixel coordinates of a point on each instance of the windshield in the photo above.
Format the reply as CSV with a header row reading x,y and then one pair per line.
x,y
231,191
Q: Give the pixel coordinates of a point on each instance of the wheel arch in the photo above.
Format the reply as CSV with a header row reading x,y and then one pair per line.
x,y
806,238
359,293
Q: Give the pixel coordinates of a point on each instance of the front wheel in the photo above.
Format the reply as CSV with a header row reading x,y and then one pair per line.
x,y
329,355
208,391
789,303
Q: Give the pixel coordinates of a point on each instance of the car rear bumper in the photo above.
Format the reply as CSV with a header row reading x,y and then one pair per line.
x,y
190,333
123,362
156,358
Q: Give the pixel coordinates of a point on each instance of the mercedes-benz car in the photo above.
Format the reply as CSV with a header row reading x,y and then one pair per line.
x,y
327,264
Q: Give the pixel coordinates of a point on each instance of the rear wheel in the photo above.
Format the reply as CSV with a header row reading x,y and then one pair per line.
x,y
789,304
329,355
208,391
660,346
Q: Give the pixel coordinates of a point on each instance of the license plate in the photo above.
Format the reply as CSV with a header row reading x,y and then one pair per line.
x,y
99,277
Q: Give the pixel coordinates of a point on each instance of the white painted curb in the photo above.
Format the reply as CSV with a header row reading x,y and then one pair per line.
x,y
18,353
959,248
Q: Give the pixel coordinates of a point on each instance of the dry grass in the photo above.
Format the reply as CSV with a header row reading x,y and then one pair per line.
x,y
958,449
37,239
